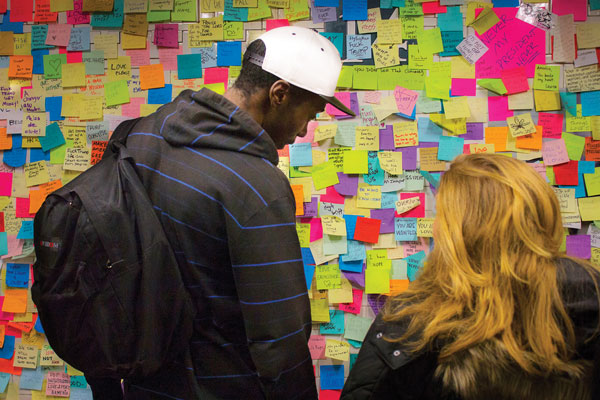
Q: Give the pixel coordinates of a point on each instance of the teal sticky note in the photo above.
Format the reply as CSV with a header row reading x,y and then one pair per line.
x,y
428,131
94,62
53,65
356,251
451,20
53,138
80,39
569,102
335,326
3,244
376,174
189,66
337,39
38,37
414,263
301,154
450,147
26,231
112,19
594,5
235,13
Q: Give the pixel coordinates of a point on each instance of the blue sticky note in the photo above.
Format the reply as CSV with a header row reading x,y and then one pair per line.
x,y
6,25
4,61
335,326
307,257
53,138
354,10
569,102
301,154
450,147
350,225
309,272
32,379
15,157
38,37
337,39
358,47
54,107
38,155
161,95
4,378
17,275
590,103
414,264
376,174
38,326
405,229
505,3
7,351
356,251
332,377
388,200
229,53
189,66
428,131
234,13
38,60
451,39
351,266
80,39
327,3
209,55
112,19
26,231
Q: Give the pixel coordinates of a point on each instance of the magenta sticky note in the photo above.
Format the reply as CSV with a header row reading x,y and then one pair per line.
x,y
551,124
498,108
216,75
418,211
512,43
77,16
463,87
576,7
344,97
6,179
579,246
310,133
166,35
58,35
515,80
316,229
332,196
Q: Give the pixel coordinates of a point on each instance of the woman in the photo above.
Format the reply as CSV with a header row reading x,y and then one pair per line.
x,y
498,312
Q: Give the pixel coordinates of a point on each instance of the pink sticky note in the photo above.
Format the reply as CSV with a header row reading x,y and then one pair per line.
x,y
576,7
6,183
540,169
310,133
515,80
344,97
22,208
498,108
356,304
433,7
14,246
463,87
76,16
332,196
372,97
418,211
276,23
316,229
58,35
512,43
216,75
554,152
316,346
132,109
168,58
139,56
166,35
405,100
411,248
551,124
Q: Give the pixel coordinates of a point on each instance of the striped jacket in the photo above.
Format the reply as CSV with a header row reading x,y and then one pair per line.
x,y
210,171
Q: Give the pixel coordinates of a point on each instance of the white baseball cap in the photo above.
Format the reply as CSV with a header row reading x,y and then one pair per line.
x,y
303,58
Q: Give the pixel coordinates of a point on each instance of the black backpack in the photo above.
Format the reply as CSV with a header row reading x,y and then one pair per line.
x,y
106,282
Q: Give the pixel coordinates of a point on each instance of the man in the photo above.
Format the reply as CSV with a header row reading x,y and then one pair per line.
x,y
209,163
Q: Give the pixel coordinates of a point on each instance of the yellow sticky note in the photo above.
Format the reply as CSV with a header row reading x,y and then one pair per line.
x,y
119,68
595,126
337,350
391,162
385,55
481,148
341,295
471,7
436,88
370,24
207,29
356,162
36,173
405,134
328,276
425,227
25,356
333,225
73,75
430,41
367,138
77,158
323,132
319,310
486,19
456,126
546,77
378,259
34,124
303,231
589,208
461,68
132,42
521,125
71,104
457,107
324,175
368,196
546,100
389,31
377,281
91,108
418,59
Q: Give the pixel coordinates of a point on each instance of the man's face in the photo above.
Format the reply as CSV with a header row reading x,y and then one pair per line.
x,y
293,117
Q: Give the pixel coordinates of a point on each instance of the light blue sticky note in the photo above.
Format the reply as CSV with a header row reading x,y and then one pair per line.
x,y
335,326
5,61
414,264
4,378
346,134
358,47
405,229
26,231
32,379
112,19
354,10
356,251
590,103
376,174
428,131
399,269
569,102
81,394
234,13
229,53
334,245
209,55
38,37
301,154
586,167
337,39
309,272
80,39
450,147
350,225
94,62
389,199
17,275
7,351
351,266
53,138
332,377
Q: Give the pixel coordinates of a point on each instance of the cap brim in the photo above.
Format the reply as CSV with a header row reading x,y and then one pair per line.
x,y
338,104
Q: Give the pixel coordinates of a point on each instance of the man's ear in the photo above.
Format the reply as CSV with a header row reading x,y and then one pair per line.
x,y
279,93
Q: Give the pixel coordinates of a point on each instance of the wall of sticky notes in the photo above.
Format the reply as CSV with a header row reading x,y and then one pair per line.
x,y
427,80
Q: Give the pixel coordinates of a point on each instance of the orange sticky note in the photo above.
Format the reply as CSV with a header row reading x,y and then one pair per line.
x,y
398,286
20,67
498,136
2,334
152,76
37,197
5,140
15,300
532,141
299,197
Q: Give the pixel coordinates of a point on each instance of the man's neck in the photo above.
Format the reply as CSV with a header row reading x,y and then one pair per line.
x,y
253,105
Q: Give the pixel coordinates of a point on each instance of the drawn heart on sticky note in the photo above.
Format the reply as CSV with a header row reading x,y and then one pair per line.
x,y
55,64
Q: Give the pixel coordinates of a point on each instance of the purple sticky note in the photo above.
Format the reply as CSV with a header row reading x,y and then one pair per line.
x,y
409,157
354,103
323,14
386,216
579,246
474,131
376,301
386,138
428,144
356,277
311,208
166,35
348,185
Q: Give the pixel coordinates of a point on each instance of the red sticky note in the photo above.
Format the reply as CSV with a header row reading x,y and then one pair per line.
x,y
276,23
551,124
367,229
22,208
216,75
418,211
332,196
73,57
6,184
43,13
2,229
576,7
515,80
3,6
330,394
498,108
433,7
6,366
21,11
463,87
592,149
166,35
566,174
316,229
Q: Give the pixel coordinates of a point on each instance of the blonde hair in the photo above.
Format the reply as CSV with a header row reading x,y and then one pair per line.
x,y
492,271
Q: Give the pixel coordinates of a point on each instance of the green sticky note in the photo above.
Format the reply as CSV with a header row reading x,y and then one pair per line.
x,y
550,175
184,11
159,16
364,77
116,93
296,173
324,175
260,12
494,85
356,162
437,88
546,77
412,79
388,78
430,41
414,181
377,280
57,154
94,62
53,65
328,277
592,183
345,79
574,144
356,327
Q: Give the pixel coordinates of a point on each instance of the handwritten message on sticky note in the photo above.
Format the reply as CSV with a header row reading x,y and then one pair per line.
x,y
520,125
